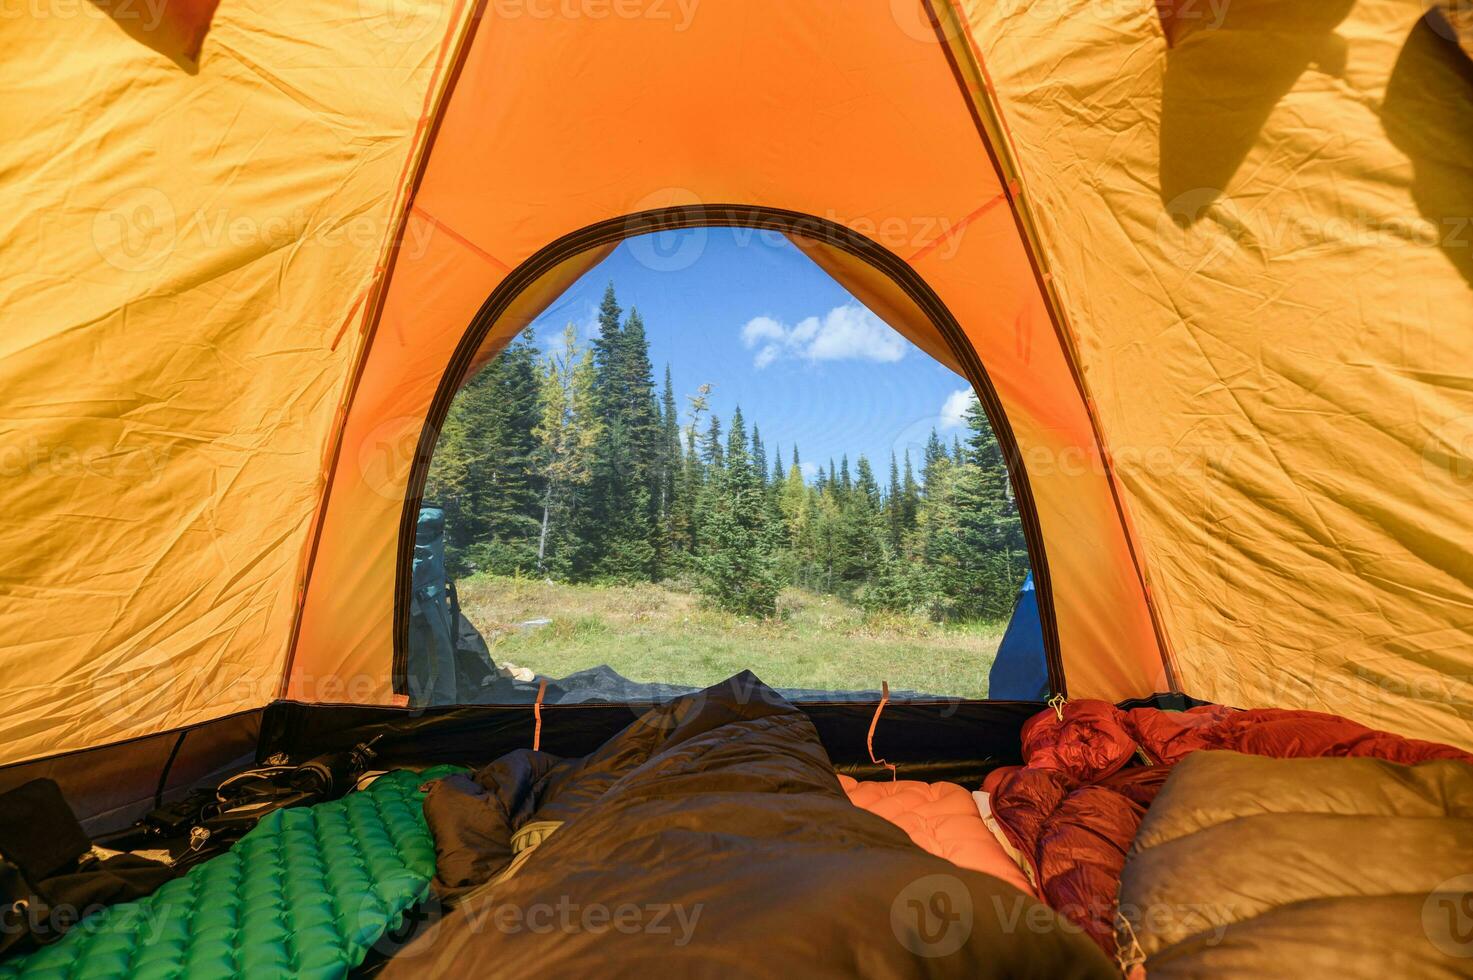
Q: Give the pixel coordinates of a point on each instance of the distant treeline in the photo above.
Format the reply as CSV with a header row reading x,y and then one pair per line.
x,y
569,465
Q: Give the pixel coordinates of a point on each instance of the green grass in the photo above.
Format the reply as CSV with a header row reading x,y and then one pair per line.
x,y
662,634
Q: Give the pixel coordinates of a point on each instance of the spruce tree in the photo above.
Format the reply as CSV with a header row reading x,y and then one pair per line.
x,y
488,470
691,496
712,453
759,457
567,433
669,474
894,504
910,498
617,532
738,563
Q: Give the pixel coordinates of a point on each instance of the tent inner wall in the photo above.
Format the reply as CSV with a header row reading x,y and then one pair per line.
x,y
185,259
1259,221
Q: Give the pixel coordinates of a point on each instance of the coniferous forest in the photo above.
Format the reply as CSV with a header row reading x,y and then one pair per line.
x,y
576,465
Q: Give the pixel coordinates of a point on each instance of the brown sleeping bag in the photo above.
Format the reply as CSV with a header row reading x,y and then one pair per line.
x,y
1253,867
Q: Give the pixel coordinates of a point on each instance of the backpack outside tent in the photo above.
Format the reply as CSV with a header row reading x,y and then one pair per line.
x,y
1208,267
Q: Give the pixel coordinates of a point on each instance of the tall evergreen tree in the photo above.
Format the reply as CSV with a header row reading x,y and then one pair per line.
x,y
910,498
712,453
668,465
567,432
935,452
485,473
894,504
690,496
739,567
619,526
759,457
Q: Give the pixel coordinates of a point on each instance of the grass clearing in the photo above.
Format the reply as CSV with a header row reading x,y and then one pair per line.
x,y
658,633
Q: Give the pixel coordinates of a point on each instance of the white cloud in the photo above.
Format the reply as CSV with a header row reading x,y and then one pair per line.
x,y
808,468
848,332
954,409
762,328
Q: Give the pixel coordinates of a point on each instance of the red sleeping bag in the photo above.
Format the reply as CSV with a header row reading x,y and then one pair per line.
x,y
1074,806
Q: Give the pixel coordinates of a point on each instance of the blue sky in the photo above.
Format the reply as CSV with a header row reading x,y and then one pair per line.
x,y
748,313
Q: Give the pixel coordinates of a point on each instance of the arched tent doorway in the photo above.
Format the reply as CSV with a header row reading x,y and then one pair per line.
x,y
892,288
482,209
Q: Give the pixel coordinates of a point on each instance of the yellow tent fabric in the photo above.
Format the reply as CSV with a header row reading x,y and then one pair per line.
x,y
1210,257
183,258
1262,231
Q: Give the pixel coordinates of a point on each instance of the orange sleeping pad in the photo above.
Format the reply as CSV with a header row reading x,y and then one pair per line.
x,y
941,818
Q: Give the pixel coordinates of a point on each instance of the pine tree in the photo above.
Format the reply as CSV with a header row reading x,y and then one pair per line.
x,y
738,564
972,538
669,473
859,547
759,457
894,505
935,452
712,453
866,485
690,499
910,499
567,432
486,474
618,531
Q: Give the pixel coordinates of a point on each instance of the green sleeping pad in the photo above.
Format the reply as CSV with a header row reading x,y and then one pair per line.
x,y
305,894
